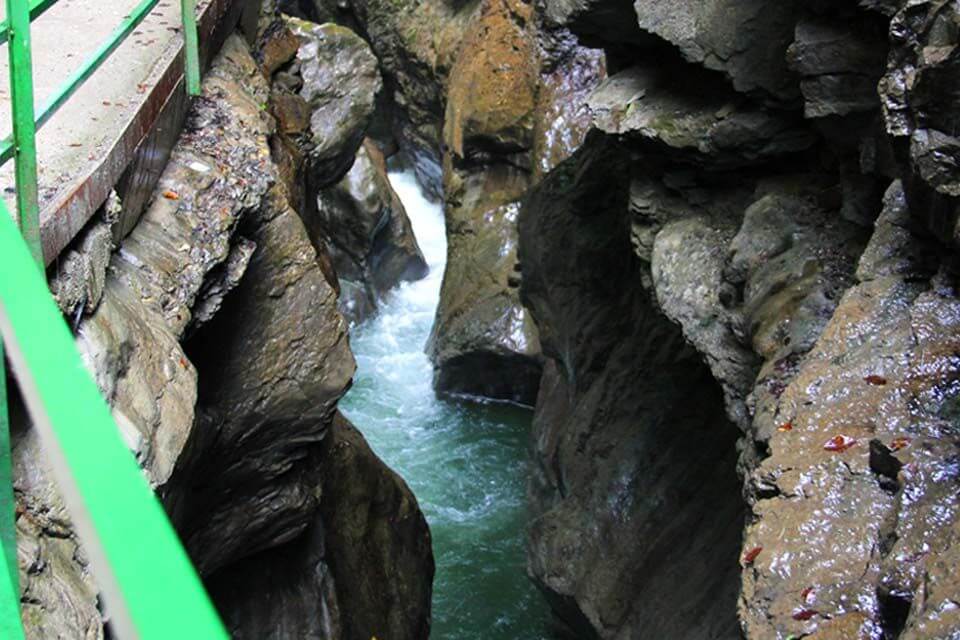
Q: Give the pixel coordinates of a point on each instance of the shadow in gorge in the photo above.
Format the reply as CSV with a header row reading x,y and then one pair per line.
x,y
638,508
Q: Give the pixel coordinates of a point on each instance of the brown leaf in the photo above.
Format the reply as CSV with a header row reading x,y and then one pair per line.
x,y
839,444
899,443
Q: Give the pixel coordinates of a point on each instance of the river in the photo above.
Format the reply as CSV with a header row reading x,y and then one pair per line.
x,y
466,462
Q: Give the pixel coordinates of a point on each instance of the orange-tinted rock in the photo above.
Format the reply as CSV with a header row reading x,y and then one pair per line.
x,y
493,85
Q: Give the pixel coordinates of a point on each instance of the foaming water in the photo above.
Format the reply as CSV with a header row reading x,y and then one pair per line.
x,y
466,463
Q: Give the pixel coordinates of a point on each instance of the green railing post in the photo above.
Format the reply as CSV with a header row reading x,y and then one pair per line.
x,y
24,125
191,46
151,589
9,577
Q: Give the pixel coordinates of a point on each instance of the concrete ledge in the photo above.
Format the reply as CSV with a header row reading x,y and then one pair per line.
x,y
127,151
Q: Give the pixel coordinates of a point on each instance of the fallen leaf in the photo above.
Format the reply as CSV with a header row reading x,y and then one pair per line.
x,y
805,614
839,443
877,380
806,593
171,195
751,555
786,426
899,443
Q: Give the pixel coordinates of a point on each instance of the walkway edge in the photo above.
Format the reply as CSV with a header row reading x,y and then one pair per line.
x,y
143,146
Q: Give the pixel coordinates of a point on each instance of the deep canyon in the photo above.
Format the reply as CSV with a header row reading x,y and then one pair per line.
x,y
507,319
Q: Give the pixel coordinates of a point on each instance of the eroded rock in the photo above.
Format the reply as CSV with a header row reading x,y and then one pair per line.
x,y
625,409
366,229
341,80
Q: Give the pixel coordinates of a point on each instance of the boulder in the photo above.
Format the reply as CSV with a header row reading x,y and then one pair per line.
x,y
341,79
364,226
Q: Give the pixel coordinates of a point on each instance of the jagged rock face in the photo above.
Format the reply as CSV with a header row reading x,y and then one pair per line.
x,y
362,569
757,161
131,342
222,256
854,483
636,503
269,386
918,95
417,43
745,39
363,223
59,598
340,82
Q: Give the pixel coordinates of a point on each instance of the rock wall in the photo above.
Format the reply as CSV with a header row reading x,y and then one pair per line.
x,y
213,331
766,198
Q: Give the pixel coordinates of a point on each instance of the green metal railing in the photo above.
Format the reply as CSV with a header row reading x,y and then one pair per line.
x,y
152,590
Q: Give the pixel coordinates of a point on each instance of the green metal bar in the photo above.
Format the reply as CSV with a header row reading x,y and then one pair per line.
x,y
37,9
152,591
191,46
75,81
95,60
24,126
10,576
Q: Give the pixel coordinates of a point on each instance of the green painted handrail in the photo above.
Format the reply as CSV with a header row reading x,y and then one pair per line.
x,y
98,57
151,588
37,9
24,125
152,591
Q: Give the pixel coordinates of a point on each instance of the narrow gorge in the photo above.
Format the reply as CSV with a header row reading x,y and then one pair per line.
x,y
539,319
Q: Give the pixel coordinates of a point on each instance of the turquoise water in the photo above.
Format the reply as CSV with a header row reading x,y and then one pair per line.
x,y
465,462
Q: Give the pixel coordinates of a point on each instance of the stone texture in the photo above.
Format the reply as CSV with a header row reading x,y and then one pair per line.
x,y
241,463
745,39
417,43
219,168
847,528
917,94
699,118
340,82
132,342
367,232
492,91
378,542
625,411
269,385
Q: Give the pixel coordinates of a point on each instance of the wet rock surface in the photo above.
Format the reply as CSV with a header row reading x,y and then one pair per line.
x,y
232,429
363,224
816,312
634,459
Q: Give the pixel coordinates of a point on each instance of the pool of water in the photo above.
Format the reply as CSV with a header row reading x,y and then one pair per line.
x,y
466,462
